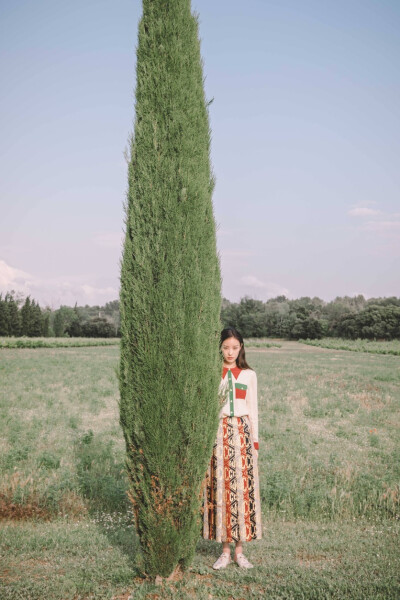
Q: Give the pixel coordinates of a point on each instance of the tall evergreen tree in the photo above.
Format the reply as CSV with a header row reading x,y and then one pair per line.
x,y
170,291
26,316
46,322
4,317
14,314
36,326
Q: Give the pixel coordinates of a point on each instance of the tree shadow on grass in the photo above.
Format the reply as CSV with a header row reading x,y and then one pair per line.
x,y
207,552
120,531
103,483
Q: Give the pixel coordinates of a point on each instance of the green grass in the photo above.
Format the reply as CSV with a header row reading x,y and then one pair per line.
x,y
260,343
62,449
295,560
359,345
60,342
329,477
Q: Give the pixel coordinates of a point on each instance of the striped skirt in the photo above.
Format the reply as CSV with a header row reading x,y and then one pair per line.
x,y
231,496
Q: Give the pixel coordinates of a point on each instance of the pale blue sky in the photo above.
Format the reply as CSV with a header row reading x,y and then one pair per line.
x,y
306,145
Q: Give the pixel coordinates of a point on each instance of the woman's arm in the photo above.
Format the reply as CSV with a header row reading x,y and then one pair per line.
x,y
253,407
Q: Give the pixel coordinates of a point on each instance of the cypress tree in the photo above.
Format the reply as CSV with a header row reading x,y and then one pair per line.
x,y
14,315
26,317
36,327
4,317
170,291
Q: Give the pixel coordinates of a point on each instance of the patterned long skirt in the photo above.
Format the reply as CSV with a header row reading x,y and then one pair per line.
x,y
231,497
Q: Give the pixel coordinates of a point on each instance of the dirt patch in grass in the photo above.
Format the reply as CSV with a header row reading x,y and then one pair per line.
x,y
368,400
21,512
319,561
33,568
70,504
319,429
176,575
124,596
8,576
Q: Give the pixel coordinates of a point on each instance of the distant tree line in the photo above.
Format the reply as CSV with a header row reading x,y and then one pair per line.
x,y
23,317
376,318
346,317
88,321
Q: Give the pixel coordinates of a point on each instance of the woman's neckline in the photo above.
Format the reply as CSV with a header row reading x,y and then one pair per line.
x,y
235,370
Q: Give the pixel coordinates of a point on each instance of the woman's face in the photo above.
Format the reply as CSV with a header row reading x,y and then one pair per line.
x,y
230,350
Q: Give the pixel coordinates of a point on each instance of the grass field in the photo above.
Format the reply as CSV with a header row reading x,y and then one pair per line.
x,y
55,342
329,475
375,347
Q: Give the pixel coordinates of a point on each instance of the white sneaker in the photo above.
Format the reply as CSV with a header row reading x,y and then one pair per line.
x,y
223,561
243,562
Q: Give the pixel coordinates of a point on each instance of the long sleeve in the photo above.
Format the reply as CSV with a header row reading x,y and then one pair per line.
x,y
253,407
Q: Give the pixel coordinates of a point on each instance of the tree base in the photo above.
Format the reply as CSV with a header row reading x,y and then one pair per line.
x,y
176,574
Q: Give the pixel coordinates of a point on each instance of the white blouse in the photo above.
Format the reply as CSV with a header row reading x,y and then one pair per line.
x,y
241,396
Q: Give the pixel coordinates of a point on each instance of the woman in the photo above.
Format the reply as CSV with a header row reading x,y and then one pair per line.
x,y
232,508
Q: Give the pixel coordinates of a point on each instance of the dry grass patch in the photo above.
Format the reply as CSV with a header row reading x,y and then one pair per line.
x,y
369,399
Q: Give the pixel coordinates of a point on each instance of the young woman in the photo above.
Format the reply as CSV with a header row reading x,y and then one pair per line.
x,y
232,508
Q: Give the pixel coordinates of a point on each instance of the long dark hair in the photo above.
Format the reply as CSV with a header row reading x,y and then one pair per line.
x,y
232,332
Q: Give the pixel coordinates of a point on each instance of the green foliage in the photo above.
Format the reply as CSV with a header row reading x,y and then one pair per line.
x,y
31,321
101,477
377,318
97,327
312,318
15,325
31,318
374,322
4,318
48,460
63,318
277,317
170,291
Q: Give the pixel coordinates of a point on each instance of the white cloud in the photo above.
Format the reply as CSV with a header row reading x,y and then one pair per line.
x,y
363,211
96,292
382,226
53,291
11,278
270,289
253,281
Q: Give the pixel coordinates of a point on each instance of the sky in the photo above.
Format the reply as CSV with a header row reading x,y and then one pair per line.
x,y
305,145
